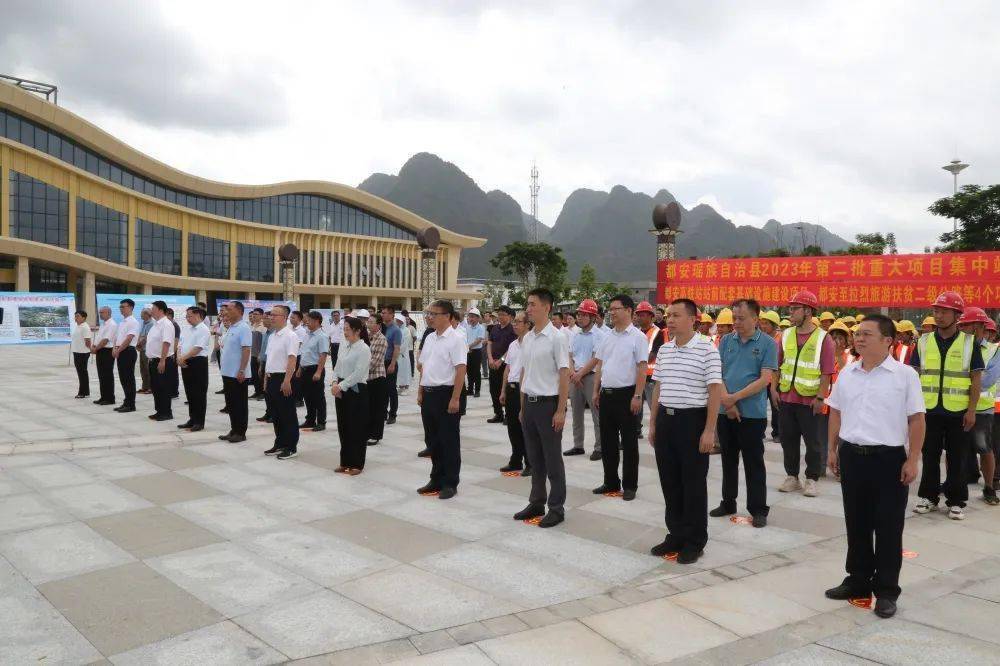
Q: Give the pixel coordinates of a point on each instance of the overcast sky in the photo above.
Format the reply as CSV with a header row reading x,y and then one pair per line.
x,y
840,113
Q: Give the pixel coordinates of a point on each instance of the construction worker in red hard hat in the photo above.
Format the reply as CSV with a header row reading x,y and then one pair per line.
x,y
974,322
583,363
644,321
951,366
806,362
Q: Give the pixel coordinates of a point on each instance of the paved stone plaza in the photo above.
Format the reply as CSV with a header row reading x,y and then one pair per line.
x,y
125,542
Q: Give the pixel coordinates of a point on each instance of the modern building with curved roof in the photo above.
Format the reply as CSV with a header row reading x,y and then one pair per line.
x,y
82,212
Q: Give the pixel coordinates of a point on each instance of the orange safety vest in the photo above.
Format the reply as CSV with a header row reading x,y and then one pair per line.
x,y
845,358
904,352
651,334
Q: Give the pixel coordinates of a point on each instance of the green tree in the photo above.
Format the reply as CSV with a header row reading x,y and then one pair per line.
x,y
587,285
977,211
813,251
534,265
874,243
493,292
776,252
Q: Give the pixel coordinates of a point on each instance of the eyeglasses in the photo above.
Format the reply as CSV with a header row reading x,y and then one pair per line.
x,y
429,314
615,308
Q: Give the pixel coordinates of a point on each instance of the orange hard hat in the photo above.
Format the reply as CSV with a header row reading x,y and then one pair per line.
x,y
951,300
644,306
973,315
588,306
806,298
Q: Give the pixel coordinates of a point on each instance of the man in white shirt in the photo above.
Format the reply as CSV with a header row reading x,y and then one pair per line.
x,y
544,391
618,392
282,359
443,361
302,333
511,398
160,352
126,338
876,408
336,336
103,350
192,357
80,346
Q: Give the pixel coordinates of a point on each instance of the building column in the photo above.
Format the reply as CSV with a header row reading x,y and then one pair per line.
x,y
372,301
408,303
147,289
251,295
23,281
90,297
201,296
336,302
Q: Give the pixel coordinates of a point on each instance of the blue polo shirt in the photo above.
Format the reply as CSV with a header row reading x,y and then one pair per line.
x,y
239,336
394,338
741,366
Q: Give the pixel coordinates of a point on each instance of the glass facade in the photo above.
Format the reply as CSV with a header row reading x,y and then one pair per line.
x,y
208,257
101,232
254,262
41,278
299,211
157,248
38,211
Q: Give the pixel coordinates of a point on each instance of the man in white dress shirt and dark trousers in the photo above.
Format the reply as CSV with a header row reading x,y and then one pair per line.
x,y
126,338
160,352
443,358
876,409
192,357
104,343
282,360
544,392
686,401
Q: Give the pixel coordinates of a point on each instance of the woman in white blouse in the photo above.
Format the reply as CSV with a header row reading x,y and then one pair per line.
x,y
404,372
350,388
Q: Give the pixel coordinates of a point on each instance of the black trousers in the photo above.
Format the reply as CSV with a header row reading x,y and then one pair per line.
x,y
352,426
945,433
263,383
683,473
378,399
496,387
105,363
874,508
443,436
175,377
126,374
312,393
334,353
543,444
618,425
286,420
80,361
256,380
775,417
237,404
162,385
474,362
514,431
799,422
391,391
744,437
195,376
297,381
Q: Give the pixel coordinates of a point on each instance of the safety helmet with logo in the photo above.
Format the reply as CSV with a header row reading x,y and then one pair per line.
x,y
772,316
905,326
827,316
588,306
725,317
705,318
950,300
644,306
806,298
973,315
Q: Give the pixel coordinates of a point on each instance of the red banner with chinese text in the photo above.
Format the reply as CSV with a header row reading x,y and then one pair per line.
x,y
891,280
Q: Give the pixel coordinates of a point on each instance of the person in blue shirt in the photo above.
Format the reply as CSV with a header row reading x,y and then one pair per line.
x,y
749,357
235,364
475,338
312,372
394,345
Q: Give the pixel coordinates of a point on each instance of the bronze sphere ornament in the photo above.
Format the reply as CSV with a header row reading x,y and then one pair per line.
x,y
429,238
288,252
667,216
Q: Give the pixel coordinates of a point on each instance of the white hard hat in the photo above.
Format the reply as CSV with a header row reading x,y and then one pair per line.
x,y
474,311
362,314
400,318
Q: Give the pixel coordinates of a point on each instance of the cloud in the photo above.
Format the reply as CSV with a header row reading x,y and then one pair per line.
x,y
126,58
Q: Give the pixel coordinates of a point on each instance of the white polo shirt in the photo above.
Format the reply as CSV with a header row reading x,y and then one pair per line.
x,y
81,332
108,330
196,336
620,353
441,355
513,360
282,344
162,331
337,332
874,405
302,332
126,327
543,355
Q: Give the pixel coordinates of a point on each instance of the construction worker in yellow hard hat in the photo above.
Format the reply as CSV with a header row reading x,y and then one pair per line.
x,y
906,338
928,325
705,324
784,323
769,323
860,318
849,321
826,320
723,324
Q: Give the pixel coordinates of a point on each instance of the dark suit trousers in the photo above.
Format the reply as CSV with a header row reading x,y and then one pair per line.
x,y
618,425
162,385
391,392
378,398
496,388
514,431
443,436
544,448
352,426
312,393
105,363
80,362
683,473
744,437
126,374
237,402
286,420
195,376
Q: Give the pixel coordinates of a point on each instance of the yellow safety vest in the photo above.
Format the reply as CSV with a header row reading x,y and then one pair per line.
x,y
800,366
987,399
949,383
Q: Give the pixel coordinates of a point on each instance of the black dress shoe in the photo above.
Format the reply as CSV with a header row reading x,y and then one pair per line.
x,y
225,438
79,396
220,392
126,410
529,512
526,471
119,408
319,427
689,555
574,452
305,425
670,545
426,453
372,442
104,402
152,417
885,608
164,417
186,424
760,520
628,495
496,419
197,427
447,493
843,592
511,468
273,451
265,419
551,519
224,410
429,488
596,455
390,420
236,439
721,510
603,488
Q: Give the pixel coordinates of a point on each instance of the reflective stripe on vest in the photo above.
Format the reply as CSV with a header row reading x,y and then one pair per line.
x,y
949,382
800,366
987,399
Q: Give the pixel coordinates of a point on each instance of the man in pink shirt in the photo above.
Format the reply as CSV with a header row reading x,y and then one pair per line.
x,y
803,381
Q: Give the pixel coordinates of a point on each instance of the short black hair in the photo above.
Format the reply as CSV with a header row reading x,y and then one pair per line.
x,y
455,315
315,316
287,310
625,300
203,305
689,305
447,306
542,294
886,326
82,313
390,308
170,312
749,303
127,301
297,312
258,310
237,305
660,310
506,309
159,305
200,311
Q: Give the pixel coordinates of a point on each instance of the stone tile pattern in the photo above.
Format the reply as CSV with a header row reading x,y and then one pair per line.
x,y
131,541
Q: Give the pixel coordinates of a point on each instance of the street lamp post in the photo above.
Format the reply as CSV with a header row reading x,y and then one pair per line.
x,y
956,166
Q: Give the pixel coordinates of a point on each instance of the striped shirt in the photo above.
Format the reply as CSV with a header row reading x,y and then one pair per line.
x,y
684,372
